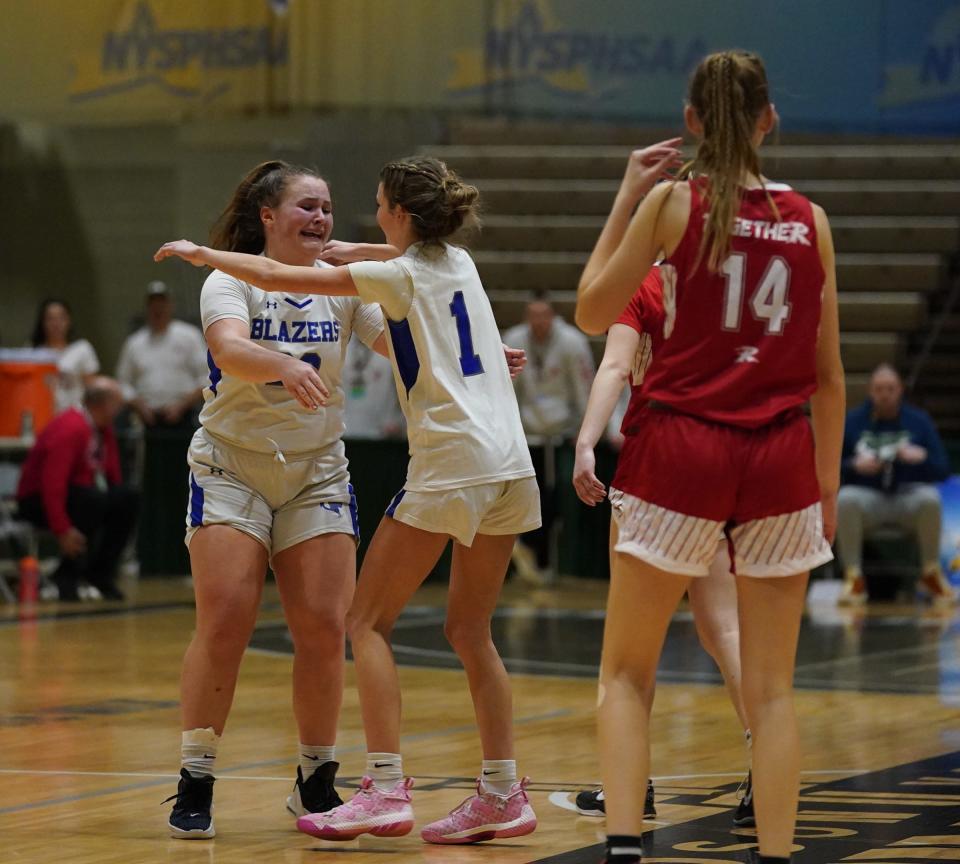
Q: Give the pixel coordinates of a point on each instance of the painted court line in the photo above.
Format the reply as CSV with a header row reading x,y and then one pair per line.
x,y
231,773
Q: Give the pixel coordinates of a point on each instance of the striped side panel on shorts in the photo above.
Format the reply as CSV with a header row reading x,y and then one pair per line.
x,y
669,540
781,545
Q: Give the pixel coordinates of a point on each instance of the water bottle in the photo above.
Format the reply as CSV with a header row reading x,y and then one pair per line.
x,y
26,425
29,580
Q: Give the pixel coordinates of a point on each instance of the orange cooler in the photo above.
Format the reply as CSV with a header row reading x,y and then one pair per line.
x,y
25,377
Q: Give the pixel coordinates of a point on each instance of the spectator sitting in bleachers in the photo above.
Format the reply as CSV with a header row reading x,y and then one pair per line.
x,y
552,395
71,484
892,457
77,361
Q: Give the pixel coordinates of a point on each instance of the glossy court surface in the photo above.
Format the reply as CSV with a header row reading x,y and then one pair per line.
x,y
89,736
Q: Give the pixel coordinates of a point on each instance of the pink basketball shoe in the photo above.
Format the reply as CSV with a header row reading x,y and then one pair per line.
x,y
381,812
485,816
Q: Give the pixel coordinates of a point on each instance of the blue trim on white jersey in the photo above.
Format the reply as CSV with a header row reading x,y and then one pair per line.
x,y
297,305
405,351
196,503
215,373
396,502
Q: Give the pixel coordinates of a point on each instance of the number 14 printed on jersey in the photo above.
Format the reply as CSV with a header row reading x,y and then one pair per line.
x,y
768,303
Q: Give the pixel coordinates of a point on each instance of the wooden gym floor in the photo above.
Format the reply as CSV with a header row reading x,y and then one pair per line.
x,y
89,736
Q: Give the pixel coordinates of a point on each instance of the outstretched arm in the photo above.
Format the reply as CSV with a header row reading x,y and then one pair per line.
x,y
613,374
265,273
340,252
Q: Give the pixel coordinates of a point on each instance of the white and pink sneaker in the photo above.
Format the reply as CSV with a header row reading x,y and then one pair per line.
x,y
485,816
381,812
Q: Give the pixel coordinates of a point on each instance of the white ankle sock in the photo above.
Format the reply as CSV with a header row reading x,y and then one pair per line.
x,y
385,769
498,775
313,756
198,751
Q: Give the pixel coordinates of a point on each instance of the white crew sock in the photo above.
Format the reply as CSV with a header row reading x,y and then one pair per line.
x,y
498,775
198,751
385,769
313,756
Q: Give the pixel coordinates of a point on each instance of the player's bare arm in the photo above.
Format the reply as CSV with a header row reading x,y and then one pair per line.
x,y
265,273
338,252
236,354
828,403
614,270
611,378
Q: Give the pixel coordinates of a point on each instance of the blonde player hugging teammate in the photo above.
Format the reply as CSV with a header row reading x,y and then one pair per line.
x,y
470,479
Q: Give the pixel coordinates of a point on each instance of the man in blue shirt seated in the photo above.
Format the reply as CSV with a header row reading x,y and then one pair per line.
x,y
892,457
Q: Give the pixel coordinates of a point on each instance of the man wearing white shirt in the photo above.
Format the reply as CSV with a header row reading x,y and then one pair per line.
x,y
552,395
162,369
163,365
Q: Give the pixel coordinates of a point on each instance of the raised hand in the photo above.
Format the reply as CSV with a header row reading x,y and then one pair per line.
x,y
181,249
647,165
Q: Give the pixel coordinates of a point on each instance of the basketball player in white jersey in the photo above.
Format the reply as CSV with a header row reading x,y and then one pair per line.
x,y
269,484
470,478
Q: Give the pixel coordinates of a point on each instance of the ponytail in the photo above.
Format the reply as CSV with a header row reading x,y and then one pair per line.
x,y
728,91
239,228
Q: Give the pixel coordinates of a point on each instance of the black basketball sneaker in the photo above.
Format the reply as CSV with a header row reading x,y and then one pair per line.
x,y
315,794
192,814
592,803
743,816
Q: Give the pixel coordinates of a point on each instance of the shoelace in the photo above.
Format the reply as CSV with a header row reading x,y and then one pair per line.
x,y
189,798
741,792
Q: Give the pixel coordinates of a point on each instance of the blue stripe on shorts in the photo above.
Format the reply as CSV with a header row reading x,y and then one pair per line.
x,y
353,511
196,503
395,502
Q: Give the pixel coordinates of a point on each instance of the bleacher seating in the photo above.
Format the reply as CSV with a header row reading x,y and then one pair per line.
x,y
894,209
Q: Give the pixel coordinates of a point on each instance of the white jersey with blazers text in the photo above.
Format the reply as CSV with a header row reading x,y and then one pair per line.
x,y
265,418
463,422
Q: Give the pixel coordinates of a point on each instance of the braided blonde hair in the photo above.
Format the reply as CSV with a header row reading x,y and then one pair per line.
x,y
728,91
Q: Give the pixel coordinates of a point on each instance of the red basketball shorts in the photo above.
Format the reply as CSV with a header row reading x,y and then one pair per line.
x,y
682,483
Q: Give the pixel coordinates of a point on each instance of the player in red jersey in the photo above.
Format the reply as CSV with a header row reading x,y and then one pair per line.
x,y
632,343
722,447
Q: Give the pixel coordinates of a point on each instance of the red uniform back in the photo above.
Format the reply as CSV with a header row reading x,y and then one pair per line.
x,y
740,344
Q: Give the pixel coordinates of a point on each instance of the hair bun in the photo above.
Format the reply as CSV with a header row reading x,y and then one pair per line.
x,y
440,203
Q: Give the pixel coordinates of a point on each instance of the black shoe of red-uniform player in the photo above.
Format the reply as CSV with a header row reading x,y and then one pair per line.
x,y
592,803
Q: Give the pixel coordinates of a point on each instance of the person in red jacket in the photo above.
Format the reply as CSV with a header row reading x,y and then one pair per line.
x,y
71,484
